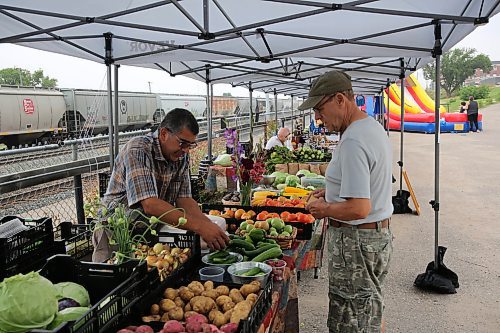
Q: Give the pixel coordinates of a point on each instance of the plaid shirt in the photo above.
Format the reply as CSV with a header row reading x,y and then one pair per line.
x,y
141,172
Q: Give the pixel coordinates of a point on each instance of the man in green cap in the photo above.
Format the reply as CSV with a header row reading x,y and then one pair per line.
x,y
358,203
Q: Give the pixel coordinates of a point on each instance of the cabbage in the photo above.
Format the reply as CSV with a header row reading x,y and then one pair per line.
x,y
292,181
73,291
69,314
26,302
223,160
279,180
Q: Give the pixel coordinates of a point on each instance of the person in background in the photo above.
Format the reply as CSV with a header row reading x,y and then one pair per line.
x,y
357,201
472,114
463,107
151,174
280,140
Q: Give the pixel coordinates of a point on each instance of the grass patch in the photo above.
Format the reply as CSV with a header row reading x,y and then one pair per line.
x,y
453,104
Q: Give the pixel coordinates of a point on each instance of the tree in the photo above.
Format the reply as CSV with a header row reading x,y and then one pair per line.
x,y
23,77
456,66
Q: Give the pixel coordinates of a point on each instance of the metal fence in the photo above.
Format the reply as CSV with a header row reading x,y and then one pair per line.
x,y
57,180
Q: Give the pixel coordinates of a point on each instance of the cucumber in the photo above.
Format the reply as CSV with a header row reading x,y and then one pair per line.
x,y
230,259
241,244
259,250
218,254
272,253
252,272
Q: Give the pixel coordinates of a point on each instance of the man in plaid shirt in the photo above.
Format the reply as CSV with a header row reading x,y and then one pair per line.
x,y
151,174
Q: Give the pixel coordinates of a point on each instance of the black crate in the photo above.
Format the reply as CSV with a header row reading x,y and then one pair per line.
x,y
103,182
111,293
76,238
304,230
27,250
250,325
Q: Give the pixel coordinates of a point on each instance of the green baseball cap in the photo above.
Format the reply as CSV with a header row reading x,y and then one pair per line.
x,y
326,84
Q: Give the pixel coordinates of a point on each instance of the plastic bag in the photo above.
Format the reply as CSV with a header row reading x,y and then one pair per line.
x,y
443,280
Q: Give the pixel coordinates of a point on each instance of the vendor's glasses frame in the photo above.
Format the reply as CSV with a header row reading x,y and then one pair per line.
x,y
320,107
183,144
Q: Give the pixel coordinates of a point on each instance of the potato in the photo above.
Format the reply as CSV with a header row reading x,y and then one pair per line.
x,y
186,294
179,302
227,315
213,294
202,304
165,318
166,305
250,288
148,319
188,314
228,306
170,293
222,290
187,307
219,319
196,287
223,299
209,285
241,312
211,314
176,313
252,298
155,309
236,296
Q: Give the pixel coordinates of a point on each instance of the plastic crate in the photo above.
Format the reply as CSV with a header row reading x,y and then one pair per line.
x,y
111,293
103,182
76,238
250,325
27,250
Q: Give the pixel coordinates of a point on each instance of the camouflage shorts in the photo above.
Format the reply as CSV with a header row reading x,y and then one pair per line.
x,y
359,262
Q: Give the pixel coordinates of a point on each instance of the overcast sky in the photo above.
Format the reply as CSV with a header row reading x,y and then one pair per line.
x,y
77,73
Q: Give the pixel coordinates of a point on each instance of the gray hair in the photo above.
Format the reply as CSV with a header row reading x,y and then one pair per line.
x,y
178,119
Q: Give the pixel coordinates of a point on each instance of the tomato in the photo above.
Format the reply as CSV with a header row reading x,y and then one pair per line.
x,y
284,215
273,215
262,216
311,218
292,218
302,218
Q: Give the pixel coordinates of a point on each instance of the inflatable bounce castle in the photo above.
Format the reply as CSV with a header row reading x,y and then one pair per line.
x,y
419,111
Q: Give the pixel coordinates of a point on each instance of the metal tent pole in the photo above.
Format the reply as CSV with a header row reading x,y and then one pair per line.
x,y
116,116
388,85
435,203
402,128
292,114
209,112
250,92
276,109
109,60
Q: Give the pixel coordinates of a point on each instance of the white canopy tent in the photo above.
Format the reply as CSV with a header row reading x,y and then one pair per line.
x,y
255,36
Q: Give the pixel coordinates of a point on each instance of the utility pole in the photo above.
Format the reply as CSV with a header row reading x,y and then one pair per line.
x,y
149,83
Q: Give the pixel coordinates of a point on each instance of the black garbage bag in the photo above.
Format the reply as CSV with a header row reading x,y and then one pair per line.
x,y
400,202
443,280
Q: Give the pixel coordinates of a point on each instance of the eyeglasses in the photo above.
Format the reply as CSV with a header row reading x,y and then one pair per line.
x,y
319,107
184,144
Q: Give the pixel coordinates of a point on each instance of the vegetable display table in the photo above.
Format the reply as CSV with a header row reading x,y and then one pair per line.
x,y
305,254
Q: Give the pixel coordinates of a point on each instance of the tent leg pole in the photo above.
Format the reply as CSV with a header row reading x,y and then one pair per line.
x,y
250,92
437,53
209,113
110,121
276,109
116,116
388,86
401,156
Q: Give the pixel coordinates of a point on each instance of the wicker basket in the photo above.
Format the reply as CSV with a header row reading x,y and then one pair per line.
x,y
283,241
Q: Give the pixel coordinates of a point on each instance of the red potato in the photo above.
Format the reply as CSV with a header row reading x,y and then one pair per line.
x,y
173,326
131,328
124,330
194,323
144,329
209,328
229,328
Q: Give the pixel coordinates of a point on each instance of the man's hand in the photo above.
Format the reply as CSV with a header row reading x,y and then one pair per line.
x,y
318,208
316,194
215,238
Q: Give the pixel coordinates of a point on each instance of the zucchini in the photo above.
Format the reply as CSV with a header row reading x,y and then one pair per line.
x,y
272,253
259,250
252,272
241,244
